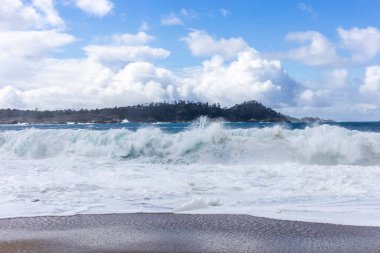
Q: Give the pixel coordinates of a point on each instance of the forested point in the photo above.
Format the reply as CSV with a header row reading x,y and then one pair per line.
x,y
179,111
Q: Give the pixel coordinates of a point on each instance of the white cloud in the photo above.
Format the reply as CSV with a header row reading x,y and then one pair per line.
x,y
88,84
202,44
330,89
178,18
305,7
30,31
189,14
144,26
38,14
132,39
119,71
307,96
98,8
171,20
224,12
92,82
246,78
144,82
50,13
22,51
371,85
31,77
364,43
316,97
31,44
11,98
308,9
316,49
109,54
337,77
126,48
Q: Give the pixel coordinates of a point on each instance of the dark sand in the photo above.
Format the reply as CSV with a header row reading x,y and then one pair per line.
x,y
180,233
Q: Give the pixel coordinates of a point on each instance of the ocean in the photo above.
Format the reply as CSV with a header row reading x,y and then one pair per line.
x,y
296,171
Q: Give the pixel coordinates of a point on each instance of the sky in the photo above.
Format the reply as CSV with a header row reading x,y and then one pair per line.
x,y
302,58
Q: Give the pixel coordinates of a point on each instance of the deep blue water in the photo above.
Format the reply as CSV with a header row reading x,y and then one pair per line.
x,y
178,127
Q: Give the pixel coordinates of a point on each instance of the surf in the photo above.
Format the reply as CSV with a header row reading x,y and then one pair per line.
x,y
202,142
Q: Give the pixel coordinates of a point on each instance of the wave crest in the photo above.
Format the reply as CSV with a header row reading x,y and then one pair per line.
x,y
202,143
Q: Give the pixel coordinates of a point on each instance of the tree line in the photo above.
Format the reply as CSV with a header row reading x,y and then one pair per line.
x,y
177,111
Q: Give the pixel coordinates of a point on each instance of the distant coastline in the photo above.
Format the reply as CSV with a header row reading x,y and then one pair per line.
x,y
179,111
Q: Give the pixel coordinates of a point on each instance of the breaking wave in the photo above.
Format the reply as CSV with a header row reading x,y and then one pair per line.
x,y
205,143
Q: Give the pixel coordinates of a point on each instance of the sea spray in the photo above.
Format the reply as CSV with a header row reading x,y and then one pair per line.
x,y
203,142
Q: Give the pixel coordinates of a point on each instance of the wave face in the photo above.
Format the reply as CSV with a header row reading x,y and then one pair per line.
x,y
210,144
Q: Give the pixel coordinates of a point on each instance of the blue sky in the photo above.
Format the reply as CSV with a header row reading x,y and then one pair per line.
x,y
303,58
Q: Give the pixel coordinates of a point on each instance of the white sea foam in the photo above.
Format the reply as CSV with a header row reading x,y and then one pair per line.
x,y
323,145
323,173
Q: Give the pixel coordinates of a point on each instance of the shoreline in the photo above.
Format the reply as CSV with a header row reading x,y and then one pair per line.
x,y
168,232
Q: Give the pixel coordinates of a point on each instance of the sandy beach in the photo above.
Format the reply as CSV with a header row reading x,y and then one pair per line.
x,y
180,233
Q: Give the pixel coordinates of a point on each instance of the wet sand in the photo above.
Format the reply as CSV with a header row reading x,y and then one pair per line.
x,y
180,233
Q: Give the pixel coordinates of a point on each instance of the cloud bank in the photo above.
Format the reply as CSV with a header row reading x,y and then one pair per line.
x,y
231,73
125,68
363,44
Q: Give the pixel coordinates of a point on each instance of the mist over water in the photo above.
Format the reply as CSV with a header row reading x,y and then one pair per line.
x,y
319,173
